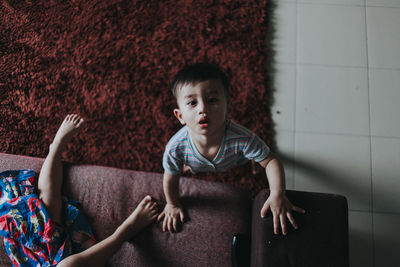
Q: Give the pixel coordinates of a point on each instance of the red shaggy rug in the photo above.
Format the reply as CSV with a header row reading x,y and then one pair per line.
x,y
112,62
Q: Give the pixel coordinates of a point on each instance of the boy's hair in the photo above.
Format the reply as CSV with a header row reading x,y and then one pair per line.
x,y
199,72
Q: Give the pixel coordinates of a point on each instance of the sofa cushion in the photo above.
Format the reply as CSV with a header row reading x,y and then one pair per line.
x,y
108,195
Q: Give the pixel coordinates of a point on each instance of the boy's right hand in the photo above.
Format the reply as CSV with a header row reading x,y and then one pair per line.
x,y
172,214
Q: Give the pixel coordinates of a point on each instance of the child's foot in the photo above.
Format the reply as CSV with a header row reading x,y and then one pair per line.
x,y
145,213
69,126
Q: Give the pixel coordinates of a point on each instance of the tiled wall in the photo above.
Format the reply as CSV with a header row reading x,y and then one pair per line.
x,y
337,112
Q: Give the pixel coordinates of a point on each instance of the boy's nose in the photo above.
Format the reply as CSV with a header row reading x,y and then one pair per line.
x,y
202,107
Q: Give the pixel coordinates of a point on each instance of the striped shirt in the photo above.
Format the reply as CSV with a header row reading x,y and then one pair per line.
x,y
239,145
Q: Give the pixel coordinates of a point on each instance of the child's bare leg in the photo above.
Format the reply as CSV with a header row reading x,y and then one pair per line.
x,y
50,177
98,255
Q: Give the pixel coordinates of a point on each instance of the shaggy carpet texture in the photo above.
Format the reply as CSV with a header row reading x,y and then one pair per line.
x,y
113,63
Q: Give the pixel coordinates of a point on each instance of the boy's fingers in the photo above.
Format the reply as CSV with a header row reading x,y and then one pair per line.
x,y
276,224
264,210
182,216
166,223
169,224
298,209
291,219
283,223
164,227
175,224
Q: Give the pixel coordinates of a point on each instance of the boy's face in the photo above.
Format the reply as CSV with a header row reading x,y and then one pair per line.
x,y
202,106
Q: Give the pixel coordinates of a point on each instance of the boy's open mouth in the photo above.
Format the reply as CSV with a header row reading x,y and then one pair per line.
x,y
203,123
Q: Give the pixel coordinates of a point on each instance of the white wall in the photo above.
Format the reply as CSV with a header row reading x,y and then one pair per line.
x,y
336,112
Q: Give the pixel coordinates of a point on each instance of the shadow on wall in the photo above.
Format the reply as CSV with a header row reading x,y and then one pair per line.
x,y
322,175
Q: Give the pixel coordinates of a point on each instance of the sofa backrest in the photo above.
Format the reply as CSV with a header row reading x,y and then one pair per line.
x,y
108,195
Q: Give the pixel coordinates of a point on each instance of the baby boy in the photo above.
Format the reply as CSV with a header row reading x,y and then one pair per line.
x,y
209,142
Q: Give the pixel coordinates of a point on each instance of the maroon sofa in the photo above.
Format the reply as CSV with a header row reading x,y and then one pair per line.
x,y
223,228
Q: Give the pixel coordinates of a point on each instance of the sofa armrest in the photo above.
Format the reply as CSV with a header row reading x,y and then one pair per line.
x,y
321,240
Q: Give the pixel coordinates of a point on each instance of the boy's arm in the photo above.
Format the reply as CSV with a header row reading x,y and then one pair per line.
x,y
277,201
171,188
173,212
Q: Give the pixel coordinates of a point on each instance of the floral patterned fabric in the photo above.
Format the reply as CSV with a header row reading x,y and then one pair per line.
x,y
30,236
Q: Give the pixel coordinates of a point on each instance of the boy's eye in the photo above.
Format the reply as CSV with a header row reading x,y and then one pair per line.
x,y
213,100
192,103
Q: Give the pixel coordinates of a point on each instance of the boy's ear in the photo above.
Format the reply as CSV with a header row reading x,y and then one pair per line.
x,y
178,115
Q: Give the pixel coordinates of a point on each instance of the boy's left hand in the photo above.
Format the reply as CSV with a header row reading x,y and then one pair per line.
x,y
281,208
